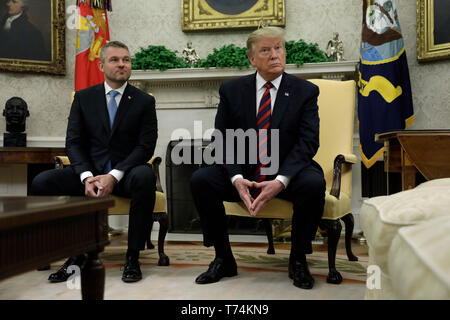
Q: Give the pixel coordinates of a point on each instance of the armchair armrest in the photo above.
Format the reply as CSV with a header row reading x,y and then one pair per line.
x,y
61,161
337,171
155,161
349,158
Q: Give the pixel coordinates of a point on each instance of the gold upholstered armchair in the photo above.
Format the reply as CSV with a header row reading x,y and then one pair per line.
x,y
122,207
335,155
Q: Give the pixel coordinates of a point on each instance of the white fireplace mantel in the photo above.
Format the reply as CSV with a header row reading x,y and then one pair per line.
x,y
195,88
332,70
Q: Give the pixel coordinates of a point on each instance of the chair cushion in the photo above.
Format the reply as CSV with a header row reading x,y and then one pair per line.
x,y
419,204
276,209
282,209
336,208
122,205
381,217
419,263
444,182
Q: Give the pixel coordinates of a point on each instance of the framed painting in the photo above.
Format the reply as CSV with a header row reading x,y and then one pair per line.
x,y
433,31
198,15
32,36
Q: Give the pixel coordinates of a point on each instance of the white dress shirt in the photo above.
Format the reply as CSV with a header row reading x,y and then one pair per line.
x,y
118,174
260,89
8,21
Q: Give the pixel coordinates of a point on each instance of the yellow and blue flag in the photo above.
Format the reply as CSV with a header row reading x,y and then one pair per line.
x,y
384,97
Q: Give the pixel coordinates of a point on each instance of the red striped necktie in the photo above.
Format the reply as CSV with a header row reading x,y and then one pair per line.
x,y
263,126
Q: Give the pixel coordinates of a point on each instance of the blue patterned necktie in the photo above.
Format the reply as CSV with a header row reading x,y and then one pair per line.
x,y
112,110
112,106
262,123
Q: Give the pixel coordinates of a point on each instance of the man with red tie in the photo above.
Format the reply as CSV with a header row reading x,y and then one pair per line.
x,y
269,101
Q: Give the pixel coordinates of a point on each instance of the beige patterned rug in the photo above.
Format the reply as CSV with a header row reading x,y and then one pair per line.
x,y
248,257
260,276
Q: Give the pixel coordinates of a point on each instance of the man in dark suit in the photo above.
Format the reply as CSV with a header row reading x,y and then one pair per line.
x,y
274,100
109,151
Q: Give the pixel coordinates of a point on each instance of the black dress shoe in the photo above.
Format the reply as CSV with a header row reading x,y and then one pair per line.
x,y
299,272
63,274
132,271
218,269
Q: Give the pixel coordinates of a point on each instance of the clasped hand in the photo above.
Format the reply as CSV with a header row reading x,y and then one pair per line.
x,y
269,189
99,186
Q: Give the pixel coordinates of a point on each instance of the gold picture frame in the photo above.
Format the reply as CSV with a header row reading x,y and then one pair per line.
x,y
48,18
431,25
199,15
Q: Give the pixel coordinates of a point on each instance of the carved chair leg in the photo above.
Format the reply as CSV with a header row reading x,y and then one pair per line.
x,y
349,225
333,229
268,227
163,219
149,235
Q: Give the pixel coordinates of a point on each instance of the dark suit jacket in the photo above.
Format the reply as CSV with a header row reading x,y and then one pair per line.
x,y
295,114
90,142
22,41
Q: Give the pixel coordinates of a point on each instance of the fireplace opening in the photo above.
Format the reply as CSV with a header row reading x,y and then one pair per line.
x,y
183,216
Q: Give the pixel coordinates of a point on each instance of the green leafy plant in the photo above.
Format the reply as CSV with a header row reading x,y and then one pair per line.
x,y
300,52
157,58
228,56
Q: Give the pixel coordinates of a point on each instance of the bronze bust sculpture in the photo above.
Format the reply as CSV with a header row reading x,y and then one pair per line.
x,y
15,113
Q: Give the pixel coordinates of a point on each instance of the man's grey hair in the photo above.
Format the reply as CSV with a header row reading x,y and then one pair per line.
x,y
24,3
266,32
114,44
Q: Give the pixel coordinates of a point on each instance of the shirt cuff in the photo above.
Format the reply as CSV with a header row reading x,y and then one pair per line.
x,y
85,175
284,180
118,174
235,177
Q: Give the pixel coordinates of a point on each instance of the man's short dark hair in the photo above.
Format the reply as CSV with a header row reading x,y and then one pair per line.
x,y
114,44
